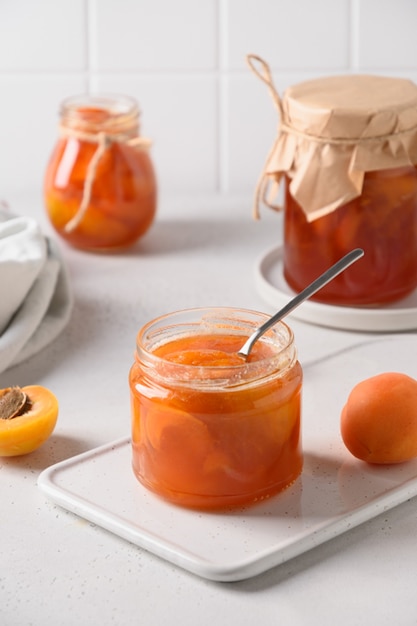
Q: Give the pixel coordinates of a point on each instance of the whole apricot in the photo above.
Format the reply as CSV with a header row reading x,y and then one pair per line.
x,y
27,418
379,419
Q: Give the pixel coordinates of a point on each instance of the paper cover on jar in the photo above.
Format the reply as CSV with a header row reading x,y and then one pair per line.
x,y
331,131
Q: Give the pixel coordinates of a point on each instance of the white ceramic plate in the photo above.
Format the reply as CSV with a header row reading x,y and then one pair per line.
x,y
273,287
334,493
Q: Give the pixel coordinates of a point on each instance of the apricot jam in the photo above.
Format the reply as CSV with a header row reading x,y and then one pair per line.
x,y
100,188
210,429
382,221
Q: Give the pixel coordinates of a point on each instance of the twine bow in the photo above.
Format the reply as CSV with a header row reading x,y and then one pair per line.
x,y
103,141
265,188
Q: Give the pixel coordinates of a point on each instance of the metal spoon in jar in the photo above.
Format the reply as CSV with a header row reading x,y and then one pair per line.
x,y
309,291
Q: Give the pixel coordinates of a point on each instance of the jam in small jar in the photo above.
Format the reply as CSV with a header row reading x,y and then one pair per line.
x,y
211,429
100,189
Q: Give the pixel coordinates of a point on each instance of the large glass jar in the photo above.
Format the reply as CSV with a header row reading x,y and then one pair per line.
x,y
100,189
346,152
209,428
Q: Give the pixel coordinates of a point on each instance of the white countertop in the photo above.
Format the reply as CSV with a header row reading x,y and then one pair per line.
x,y
58,569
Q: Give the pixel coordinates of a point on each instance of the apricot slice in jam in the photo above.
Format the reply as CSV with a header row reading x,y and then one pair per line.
x,y
166,425
27,418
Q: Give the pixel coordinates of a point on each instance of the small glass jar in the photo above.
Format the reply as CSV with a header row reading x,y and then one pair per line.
x,y
100,189
382,221
209,428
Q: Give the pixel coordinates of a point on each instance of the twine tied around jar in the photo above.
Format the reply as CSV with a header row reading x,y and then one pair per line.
x,y
103,141
264,189
325,142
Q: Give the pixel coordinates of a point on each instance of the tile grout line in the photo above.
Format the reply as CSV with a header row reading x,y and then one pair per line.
x,y
89,21
222,99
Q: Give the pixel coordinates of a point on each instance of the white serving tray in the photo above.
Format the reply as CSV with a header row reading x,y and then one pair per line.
x,y
334,493
274,289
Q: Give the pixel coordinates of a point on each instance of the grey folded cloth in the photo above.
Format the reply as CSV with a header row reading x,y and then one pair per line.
x,y
35,295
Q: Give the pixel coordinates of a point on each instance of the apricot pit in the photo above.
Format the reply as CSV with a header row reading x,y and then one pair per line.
x,y
27,418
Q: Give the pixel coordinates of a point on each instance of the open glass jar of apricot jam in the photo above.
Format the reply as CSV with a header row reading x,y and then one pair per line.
x,y
210,429
346,153
100,188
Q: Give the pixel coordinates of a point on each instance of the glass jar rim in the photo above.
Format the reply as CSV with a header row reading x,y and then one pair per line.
x,y
122,111
120,104
243,322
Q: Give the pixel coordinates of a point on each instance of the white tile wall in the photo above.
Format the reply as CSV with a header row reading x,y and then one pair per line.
x,y
154,35
212,122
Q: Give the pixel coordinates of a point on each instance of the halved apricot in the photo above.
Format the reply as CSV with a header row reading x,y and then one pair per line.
x,y
27,418
379,419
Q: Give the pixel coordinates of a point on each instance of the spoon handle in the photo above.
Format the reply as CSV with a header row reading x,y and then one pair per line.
x,y
306,293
